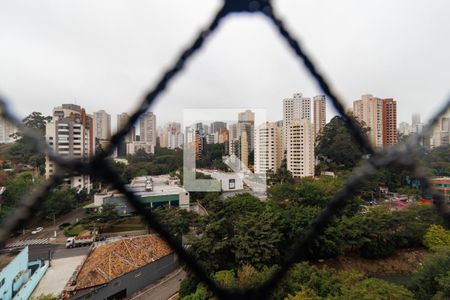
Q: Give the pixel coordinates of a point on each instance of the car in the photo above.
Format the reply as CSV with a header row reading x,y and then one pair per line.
x,y
37,230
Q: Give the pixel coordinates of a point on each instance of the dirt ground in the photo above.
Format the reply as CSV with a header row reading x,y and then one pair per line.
x,y
403,262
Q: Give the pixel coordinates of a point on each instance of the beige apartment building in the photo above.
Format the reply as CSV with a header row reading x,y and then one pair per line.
x,y
380,115
300,148
268,148
319,111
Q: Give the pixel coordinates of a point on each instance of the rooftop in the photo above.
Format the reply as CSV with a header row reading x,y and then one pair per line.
x,y
115,259
7,257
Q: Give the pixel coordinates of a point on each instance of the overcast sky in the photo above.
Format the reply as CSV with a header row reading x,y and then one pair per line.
x,y
106,54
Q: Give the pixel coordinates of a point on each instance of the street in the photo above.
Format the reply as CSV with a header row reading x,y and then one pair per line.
x,y
49,228
162,289
58,251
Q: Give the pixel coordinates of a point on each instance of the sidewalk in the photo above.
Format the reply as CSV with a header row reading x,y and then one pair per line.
x,y
58,275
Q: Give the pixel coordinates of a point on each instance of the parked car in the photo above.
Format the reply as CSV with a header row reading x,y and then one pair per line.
x,y
37,230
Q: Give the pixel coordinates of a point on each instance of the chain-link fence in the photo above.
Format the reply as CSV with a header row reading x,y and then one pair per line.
x,y
403,154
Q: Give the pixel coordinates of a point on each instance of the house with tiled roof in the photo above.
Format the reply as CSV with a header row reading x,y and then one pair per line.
x,y
121,268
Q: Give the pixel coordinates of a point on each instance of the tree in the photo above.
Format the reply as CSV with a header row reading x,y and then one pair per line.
x,y
58,202
433,277
355,286
177,221
436,237
282,175
337,148
256,239
17,188
22,151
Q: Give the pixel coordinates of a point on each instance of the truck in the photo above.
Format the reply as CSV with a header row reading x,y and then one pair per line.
x,y
80,241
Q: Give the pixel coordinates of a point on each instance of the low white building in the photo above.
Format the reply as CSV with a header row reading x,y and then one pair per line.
x,y
153,191
228,181
135,146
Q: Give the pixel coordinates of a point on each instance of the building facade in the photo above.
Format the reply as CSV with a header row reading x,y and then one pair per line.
x,y
300,148
216,126
19,276
390,133
147,127
297,107
268,148
102,125
320,116
380,116
440,134
6,131
122,120
70,135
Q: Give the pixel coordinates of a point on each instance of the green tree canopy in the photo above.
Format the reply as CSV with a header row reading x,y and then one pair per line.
x,y
337,148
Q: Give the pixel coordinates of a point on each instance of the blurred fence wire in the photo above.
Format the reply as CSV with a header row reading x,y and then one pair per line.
x,y
403,154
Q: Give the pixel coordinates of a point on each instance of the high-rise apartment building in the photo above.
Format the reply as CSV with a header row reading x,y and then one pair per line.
x,y
163,136
216,126
404,128
70,135
222,135
241,137
415,120
297,107
175,138
244,151
319,114
246,117
102,125
300,148
122,120
440,134
130,137
147,126
390,134
7,131
380,115
268,148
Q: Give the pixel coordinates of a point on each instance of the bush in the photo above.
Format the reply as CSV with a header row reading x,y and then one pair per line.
x,y
436,237
377,248
188,286
433,278
74,230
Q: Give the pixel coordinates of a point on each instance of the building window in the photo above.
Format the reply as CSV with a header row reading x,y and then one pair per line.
x,y
232,184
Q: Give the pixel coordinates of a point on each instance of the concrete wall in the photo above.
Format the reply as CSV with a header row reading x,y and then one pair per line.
x,y
17,277
9,272
132,281
26,290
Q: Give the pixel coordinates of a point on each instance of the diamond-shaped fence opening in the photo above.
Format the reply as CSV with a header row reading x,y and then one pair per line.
x,y
403,154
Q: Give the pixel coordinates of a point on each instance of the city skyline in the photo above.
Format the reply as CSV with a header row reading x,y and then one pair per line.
x,y
115,70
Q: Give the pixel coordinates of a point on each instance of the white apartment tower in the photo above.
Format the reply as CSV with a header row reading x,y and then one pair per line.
x,y
300,148
147,125
6,130
268,148
102,125
70,135
440,133
297,107
174,135
319,111
148,133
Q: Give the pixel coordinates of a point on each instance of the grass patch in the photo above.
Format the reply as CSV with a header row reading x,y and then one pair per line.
x,y
74,230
